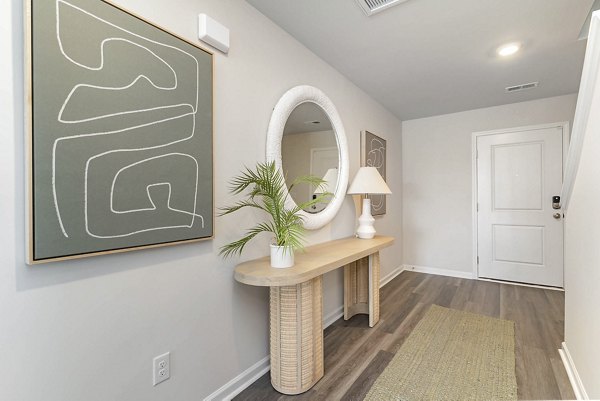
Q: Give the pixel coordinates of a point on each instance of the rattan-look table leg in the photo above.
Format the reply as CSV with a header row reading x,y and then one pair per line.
x,y
361,288
296,320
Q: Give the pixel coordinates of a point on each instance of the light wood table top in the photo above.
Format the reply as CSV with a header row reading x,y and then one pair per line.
x,y
314,261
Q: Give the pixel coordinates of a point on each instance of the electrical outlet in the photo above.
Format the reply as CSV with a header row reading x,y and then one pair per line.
x,y
161,368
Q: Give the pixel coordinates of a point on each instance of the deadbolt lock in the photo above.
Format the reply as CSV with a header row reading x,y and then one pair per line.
x,y
556,202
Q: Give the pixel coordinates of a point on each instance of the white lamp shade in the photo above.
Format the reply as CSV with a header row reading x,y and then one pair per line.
x,y
330,182
368,181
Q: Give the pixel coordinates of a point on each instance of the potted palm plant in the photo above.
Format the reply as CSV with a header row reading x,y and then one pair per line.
x,y
267,192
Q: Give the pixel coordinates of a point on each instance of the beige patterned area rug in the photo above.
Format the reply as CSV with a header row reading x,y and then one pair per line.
x,y
452,355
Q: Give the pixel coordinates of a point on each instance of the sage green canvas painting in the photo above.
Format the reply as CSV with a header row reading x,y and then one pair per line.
x,y
121,132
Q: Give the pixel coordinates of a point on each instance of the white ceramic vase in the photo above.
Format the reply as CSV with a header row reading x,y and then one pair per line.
x,y
281,256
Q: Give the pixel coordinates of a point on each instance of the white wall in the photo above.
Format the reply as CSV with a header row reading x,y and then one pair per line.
x,y
436,168
582,258
88,329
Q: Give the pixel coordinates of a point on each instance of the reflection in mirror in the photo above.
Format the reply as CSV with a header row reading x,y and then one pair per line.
x,y
309,147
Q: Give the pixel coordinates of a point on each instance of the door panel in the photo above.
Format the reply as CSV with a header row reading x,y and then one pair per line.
x,y
518,244
517,176
518,237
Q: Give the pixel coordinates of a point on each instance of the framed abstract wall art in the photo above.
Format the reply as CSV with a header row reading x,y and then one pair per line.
x,y
373,149
119,117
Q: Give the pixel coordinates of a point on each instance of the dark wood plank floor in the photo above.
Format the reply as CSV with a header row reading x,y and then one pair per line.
x,y
355,354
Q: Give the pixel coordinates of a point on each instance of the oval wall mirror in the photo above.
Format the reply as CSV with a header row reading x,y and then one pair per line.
x,y
306,136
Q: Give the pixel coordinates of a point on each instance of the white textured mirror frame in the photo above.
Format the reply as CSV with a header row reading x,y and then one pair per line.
x,y
284,107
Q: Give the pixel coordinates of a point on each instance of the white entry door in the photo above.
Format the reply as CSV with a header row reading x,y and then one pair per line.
x,y
519,234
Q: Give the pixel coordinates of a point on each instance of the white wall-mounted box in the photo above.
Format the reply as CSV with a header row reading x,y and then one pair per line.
x,y
213,33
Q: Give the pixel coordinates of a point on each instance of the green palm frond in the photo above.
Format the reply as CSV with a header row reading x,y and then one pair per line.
x,y
324,197
236,247
307,179
267,192
239,205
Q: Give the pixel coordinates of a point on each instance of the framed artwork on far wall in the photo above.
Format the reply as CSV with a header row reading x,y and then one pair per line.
x,y
373,154
119,138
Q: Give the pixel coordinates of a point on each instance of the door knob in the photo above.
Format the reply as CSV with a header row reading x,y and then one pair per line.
x,y
556,216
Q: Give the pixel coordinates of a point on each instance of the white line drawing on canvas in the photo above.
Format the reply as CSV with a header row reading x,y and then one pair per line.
x,y
193,215
376,158
193,113
120,88
104,153
168,184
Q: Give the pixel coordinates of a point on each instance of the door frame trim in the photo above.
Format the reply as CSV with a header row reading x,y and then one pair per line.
x,y
474,136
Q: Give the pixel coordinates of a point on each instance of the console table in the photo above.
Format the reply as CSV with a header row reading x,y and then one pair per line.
x,y
296,303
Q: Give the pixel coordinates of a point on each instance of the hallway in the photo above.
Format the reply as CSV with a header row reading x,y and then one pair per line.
x,y
355,355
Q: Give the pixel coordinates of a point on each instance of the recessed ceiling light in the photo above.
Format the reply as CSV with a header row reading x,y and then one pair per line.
x,y
508,49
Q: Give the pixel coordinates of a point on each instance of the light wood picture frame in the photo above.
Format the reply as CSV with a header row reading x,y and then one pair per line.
x,y
119,132
373,154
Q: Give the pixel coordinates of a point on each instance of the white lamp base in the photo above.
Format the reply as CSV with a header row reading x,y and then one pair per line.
x,y
366,230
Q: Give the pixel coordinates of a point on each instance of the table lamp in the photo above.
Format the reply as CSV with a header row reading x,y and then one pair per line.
x,y
367,181
329,182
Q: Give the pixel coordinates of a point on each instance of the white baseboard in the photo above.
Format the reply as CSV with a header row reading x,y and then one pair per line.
x,y
254,372
439,272
390,276
339,312
241,381
574,378
333,316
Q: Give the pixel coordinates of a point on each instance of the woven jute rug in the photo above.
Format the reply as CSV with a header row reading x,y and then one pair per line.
x,y
452,355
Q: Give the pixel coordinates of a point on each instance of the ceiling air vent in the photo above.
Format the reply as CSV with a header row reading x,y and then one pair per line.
x,y
522,87
371,7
